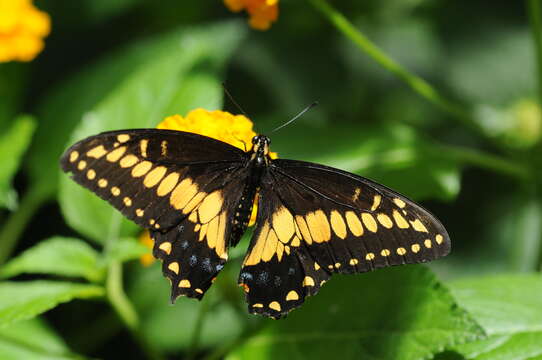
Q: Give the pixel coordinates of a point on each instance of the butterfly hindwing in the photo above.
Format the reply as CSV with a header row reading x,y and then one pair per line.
x,y
194,251
331,221
278,270
154,177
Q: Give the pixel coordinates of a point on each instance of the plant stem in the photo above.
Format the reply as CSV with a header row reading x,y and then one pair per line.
x,y
16,222
196,333
489,162
419,85
534,9
117,297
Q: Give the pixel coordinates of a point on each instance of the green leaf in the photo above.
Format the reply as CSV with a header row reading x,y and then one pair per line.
x,y
396,313
25,300
32,340
13,144
126,249
57,256
509,308
143,100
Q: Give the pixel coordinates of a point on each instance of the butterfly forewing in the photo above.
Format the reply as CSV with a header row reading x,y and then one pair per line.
x,y
331,221
154,177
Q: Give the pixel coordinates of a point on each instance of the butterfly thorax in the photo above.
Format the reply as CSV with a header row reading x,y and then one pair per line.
x,y
259,160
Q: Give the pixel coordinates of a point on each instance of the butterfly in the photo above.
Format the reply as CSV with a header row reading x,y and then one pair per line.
x,y
195,194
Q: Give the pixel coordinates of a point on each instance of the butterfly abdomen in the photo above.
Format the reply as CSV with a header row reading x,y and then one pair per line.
x,y
244,208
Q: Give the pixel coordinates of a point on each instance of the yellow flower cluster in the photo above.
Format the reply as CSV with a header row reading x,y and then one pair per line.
x,y
235,130
262,12
22,29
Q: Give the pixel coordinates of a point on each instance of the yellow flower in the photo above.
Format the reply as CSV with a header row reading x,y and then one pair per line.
x,y
262,12
22,29
235,130
145,239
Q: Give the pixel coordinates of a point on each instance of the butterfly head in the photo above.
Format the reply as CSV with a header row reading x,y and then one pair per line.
x,y
260,147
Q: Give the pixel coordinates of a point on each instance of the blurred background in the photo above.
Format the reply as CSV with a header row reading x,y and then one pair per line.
x,y
77,281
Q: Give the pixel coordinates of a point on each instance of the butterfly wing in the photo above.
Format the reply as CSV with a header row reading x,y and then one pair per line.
x,y
181,186
153,177
315,221
194,251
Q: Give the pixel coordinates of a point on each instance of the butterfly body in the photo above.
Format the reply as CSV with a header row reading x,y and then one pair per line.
x,y
196,194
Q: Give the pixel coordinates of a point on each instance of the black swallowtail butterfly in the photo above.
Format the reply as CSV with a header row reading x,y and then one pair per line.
x,y
195,195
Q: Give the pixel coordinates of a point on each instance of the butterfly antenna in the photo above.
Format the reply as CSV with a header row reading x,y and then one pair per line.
x,y
297,116
233,100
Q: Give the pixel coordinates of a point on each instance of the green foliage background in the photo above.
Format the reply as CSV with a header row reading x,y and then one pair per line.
x,y
436,99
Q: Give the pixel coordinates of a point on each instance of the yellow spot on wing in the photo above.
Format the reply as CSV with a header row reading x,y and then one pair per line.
x,y
141,169
91,174
401,251
184,283
102,183
258,305
303,229
318,226
165,247
116,154
369,222
255,254
127,201
270,247
73,156
143,147
174,266
400,220
168,184
427,243
128,161
308,281
385,220
221,241
283,223
355,197
82,164
115,191
316,266
212,233
199,291
399,202
140,212
353,262
353,223
210,206
163,148
123,138
182,194
275,306
385,252
369,256
418,226
97,152
295,242
154,176
292,295
376,202
415,248
439,239
337,224
196,200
